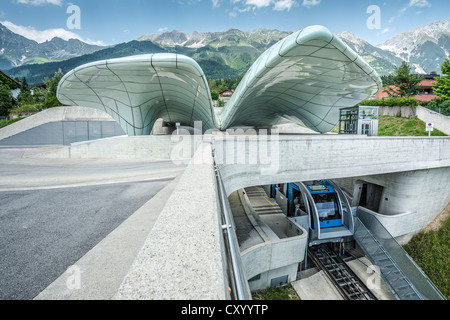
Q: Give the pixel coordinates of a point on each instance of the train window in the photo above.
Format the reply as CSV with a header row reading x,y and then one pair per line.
x,y
327,206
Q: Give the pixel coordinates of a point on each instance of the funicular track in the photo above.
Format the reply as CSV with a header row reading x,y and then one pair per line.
x,y
344,279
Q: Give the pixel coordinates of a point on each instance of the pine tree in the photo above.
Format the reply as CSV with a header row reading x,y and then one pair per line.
x,y
405,83
25,96
442,89
6,100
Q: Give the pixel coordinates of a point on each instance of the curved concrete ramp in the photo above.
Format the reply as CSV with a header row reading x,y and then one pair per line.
x,y
60,126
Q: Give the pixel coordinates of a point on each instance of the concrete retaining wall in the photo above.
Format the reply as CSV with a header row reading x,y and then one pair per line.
x,y
57,114
414,171
440,121
409,201
152,148
303,158
283,159
404,112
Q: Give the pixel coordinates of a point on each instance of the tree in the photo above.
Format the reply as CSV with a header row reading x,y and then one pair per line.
x,y
214,94
441,106
387,80
405,83
442,89
6,100
25,96
52,84
50,95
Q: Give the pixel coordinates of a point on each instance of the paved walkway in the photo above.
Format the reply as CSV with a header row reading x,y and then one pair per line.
x,y
103,268
90,215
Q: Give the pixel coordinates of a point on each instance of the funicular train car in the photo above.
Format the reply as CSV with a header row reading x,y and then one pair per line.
x,y
318,206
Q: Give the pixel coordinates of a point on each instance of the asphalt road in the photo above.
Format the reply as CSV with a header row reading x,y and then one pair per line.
x,y
52,212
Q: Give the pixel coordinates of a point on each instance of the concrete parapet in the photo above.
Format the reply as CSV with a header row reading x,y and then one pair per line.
x,y
304,158
440,121
153,148
182,256
56,114
408,202
414,171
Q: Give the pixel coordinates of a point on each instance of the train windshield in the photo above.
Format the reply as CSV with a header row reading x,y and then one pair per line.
x,y
327,206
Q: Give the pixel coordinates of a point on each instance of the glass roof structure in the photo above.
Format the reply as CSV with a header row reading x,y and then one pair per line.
x,y
308,76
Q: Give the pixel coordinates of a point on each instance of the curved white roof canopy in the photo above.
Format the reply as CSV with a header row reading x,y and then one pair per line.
x,y
307,76
136,91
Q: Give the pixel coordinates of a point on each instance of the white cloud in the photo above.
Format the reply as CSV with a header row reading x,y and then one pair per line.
x,y
259,3
240,6
284,5
419,3
163,29
216,3
39,2
311,3
188,2
416,4
386,30
41,36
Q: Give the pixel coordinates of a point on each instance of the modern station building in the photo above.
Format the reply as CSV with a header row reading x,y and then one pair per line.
x,y
305,78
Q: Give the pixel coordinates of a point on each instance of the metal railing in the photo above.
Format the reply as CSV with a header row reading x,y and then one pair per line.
x,y
240,289
401,258
395,279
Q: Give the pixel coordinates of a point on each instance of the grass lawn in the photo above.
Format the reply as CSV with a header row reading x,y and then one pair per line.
x,y
281,293
431,251
396,126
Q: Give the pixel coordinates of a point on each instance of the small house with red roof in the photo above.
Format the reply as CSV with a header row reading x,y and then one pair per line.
x,y
426,94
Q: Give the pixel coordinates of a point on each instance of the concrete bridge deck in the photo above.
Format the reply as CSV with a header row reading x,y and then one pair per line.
x,y
193,264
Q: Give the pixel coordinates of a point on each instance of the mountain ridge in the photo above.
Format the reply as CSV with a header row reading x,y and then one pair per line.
x,y
229,54
16,50
424,47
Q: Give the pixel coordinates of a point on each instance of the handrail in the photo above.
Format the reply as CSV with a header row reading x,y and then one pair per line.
x,y
412,271
240,285
394,289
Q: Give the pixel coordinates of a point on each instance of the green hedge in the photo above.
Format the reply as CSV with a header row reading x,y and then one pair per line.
x,y
392,102
28,108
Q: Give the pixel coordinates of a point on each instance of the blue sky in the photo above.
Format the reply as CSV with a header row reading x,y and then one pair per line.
x,y
110,22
